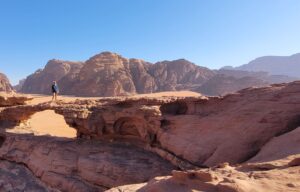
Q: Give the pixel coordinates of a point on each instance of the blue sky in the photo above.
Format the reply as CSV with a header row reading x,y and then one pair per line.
x,y
211,33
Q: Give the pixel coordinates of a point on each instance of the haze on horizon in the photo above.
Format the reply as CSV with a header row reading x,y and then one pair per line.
x,y
210,33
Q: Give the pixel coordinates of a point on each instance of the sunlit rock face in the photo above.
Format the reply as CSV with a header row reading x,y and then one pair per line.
x,y
5,86
110,74
55,70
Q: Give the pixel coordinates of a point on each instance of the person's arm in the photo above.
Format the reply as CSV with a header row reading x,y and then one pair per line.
x,y
57,88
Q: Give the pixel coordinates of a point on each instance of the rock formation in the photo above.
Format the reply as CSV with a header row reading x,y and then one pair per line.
x,y
275,168
222,178
5,86
109,74
17,177
222,84
19,86
40,81
246,141
179,75
259,75
275,65
11,99
82,165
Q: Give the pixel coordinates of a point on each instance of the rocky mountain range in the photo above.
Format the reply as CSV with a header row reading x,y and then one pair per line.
x,y
275,65
109,74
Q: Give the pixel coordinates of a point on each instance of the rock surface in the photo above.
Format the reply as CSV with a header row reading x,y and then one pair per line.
x,y
5,86
55,70
221,84
249,140
12,99
220,129
81,165
17,178
231,179
275,168
275,65
109,74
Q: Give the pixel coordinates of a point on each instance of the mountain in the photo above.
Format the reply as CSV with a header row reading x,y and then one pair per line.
x,y
40,81
275,65
5,86
179,75
221,84
264,76
109,74
19,86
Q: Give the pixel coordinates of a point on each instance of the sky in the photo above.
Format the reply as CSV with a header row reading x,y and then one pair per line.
x,y
210,33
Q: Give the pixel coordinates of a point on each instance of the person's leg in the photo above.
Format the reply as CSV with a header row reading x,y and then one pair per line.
x,y
56,96
53,96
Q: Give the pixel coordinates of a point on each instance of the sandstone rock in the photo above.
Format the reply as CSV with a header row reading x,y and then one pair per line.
x,y
19,86
277,65
40,81
14,177
109,74
179,75
12,99
248,141
259,75
229,129
105,74
82,165
5,86
280,151
221,84
229,179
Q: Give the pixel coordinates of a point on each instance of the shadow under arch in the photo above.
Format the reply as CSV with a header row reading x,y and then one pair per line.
x,y
128,126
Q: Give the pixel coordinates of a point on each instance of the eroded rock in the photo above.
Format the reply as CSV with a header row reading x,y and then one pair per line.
x,y
5,86
82,165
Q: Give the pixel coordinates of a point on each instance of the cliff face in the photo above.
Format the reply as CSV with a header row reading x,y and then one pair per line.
x,y
221,84
106,74
179,75
40,81
109,74
275,65
5,86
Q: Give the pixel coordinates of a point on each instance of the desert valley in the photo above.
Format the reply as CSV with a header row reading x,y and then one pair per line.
x,y
126,125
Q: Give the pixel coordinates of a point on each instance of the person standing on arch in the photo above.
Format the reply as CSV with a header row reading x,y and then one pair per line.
x,y
55,91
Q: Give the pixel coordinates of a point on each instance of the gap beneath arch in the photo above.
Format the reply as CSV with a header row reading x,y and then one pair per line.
x,y
46,123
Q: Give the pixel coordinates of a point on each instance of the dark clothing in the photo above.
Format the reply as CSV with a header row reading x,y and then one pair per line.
x,y
55,88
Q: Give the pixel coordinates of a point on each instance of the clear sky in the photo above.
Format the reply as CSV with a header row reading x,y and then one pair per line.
x,y
210,33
